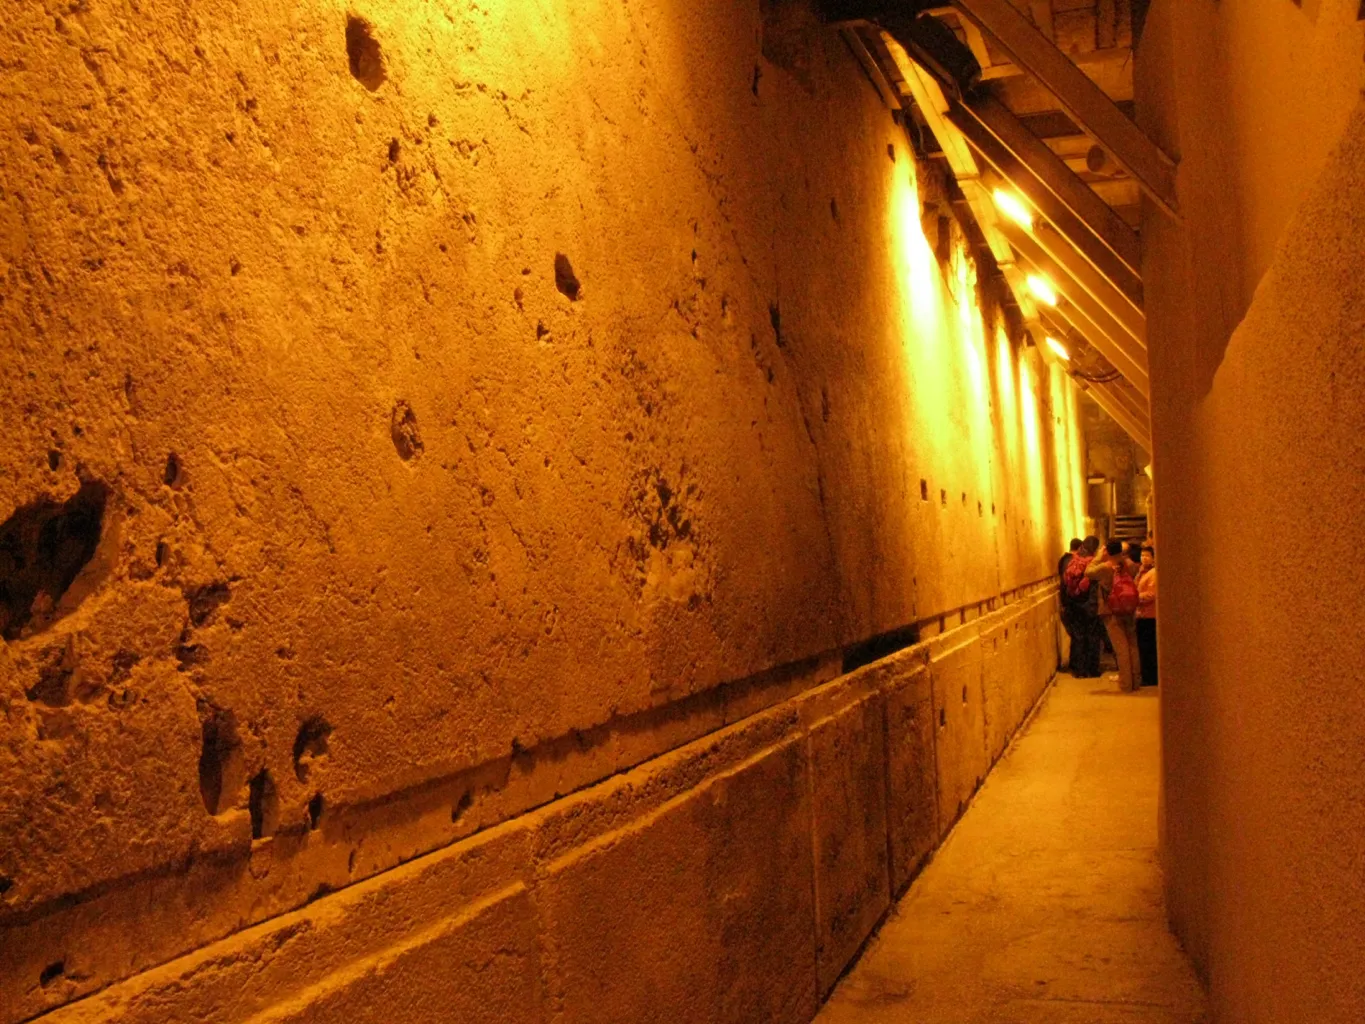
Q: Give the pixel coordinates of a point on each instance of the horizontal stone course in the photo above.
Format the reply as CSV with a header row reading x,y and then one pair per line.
x,y
731,879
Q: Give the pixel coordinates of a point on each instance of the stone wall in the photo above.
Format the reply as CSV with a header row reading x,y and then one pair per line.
x,y
1257,308
420,414
730,879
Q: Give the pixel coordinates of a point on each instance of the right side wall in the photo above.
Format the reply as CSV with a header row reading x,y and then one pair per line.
x,y
1256,303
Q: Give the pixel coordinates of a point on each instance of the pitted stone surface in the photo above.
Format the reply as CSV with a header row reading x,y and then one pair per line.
x,y
483,401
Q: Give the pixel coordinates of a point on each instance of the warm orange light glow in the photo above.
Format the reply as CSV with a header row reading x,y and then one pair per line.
x,y
979,410
1042,289
1059,349
1013,208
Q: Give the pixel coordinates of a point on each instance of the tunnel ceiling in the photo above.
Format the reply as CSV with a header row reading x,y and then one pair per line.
x,y
991,88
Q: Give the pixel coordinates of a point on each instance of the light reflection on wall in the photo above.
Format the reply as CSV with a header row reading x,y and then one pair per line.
x,y
1033,456
964,421
1066,445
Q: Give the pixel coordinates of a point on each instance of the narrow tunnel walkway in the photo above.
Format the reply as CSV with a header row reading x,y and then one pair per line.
x,y
1044,905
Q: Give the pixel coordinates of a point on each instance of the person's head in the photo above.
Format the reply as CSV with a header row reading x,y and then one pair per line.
x,y
1091,545
1148,556
1114,548
1134,552
1075,544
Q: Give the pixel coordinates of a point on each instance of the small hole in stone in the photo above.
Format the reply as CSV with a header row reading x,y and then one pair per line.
x,y
6,884
403,429
363,53
264,804
393,151
43,548
758,74
458,810
565,280
924,490
220,761
204,601
942,717
834,210
316,807
964,497
310,745
54,459
51,973
163,551
964,695
171,476
891,151
943,497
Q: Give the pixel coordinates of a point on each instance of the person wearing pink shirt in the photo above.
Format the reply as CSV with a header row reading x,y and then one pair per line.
x,y
1146,616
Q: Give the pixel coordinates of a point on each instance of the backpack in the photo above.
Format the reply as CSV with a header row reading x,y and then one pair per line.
x,y
1075,583
1123,595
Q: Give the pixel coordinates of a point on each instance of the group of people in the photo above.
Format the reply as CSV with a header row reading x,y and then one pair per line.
x,y
1110,592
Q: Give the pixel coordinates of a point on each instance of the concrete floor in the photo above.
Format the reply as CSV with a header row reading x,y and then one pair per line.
x,y
1044,904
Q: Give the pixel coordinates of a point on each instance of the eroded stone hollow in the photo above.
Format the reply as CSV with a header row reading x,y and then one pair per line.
x,y
43,548
364,54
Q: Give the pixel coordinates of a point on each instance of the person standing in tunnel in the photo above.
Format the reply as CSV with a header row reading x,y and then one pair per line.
x,y
1079,596
1067,615
1112,575
1146,615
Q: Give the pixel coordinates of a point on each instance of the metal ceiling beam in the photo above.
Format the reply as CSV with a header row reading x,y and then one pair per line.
x,y
931,102
1130,330
1131,401
1118,414
1102,343
1135,407
1076,319
1120,305
1053,323
1053,188
1080,97
885,89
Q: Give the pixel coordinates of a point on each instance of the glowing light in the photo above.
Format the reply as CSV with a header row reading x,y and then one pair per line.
x,y
1059,349
1012,208
1042,289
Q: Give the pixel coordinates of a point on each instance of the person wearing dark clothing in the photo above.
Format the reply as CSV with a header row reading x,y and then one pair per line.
x,y
1067,615
1087,643
1075,546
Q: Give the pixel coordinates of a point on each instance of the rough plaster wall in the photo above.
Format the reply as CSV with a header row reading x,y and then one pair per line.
x,y
1258,470
459,429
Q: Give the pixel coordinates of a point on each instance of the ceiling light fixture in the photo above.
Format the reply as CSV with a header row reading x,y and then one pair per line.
x,y
1013,208
1042,289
